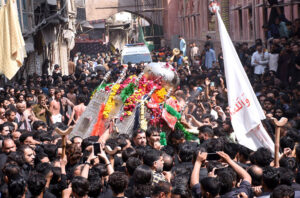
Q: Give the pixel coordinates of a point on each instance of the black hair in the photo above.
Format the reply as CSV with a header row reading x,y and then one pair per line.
x,y
44,168
206,129
186,151
127,153
283,191
131,164
25,135
36,184
286,176
287,142
80,186
143,175
51,151
17,187
211,185
288,162
262,157
226,180
231,149
161,187
150,130
118,182
270,177
37,124
151,156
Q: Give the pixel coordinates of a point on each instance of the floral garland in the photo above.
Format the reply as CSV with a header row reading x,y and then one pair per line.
x,y
143,122
110,102
159,95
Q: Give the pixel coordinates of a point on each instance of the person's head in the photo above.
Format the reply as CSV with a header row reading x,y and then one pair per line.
x,y
295,48
270,179
259,47
10,115
42,99
36,184
208,37
57,94
5,129
205,132
127,153
27,138
118,182
80,187
139,138
256,173
153,136
161,190
269,104
2,113
262,157
206,119
8,146
21,107
168,162
131,164
77,140
207,46
81,99
154,159
283,191
176,138
186,151
180,37
210,187
143,175
17,188
27,153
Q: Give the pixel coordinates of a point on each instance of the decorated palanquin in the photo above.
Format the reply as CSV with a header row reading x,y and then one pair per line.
x,y
134,102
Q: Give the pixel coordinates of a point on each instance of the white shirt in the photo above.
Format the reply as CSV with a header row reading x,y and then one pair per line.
x,y
262,60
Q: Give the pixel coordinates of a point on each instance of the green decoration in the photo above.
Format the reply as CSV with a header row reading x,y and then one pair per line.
x,y
163,139
127,91
188,136
173,112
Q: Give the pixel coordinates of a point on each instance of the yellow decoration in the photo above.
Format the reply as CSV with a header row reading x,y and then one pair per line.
x,y
110,102
143,122
161,94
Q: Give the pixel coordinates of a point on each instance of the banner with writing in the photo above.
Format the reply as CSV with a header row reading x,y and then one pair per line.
x,y
245,110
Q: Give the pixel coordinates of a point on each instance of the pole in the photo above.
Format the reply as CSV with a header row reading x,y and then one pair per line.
x,y
278,125
64,138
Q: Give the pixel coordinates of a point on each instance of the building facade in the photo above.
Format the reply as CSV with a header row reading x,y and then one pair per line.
x,y
243,18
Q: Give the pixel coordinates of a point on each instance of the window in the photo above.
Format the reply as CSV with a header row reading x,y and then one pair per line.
x,y
195,26
250,23
241,23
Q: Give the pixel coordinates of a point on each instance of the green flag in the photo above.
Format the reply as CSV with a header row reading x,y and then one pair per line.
x,y
141,39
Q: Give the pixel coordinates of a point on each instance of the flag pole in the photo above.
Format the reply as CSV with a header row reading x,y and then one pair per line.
x,y
278,125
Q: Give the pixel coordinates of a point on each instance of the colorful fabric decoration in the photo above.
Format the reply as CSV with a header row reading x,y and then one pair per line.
x,y
127,91
170,119
172,111
163,138
101,86
110,102
98,128
188,136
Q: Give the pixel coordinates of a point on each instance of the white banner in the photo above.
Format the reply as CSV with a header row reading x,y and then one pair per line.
x,y
245,110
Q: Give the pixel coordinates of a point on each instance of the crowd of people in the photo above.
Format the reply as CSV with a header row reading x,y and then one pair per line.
x,y
138,166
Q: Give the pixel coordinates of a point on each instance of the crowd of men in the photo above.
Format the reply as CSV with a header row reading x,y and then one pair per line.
x,y
139,166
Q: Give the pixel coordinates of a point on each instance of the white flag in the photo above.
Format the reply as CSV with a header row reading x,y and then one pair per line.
x,y
245,110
